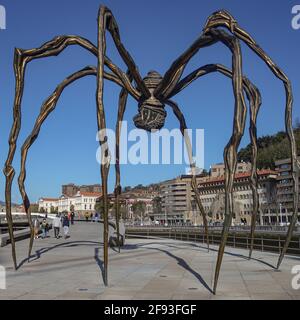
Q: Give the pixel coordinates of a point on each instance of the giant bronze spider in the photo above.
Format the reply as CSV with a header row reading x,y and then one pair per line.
x,y
152,94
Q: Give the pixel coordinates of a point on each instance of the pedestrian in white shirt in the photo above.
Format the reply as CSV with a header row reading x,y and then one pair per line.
x,y
56,226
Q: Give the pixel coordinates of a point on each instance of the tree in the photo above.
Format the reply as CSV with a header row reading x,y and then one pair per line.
x,y
53,210
42,210
139,209
271,149
157,205
34,208
99,208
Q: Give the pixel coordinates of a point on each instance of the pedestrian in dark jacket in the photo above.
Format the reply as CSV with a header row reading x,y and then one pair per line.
x,y
66,226
72,217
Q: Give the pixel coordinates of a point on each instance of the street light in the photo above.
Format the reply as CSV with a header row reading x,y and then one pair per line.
x,y
286,217
167,201
280,213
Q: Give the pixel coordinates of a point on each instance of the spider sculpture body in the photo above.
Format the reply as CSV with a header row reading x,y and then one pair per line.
x,y
153,94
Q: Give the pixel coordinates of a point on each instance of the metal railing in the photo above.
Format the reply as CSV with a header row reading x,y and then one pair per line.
x,y
267,228
264,242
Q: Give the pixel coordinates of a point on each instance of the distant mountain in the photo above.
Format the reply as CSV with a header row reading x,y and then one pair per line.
x,y
2,203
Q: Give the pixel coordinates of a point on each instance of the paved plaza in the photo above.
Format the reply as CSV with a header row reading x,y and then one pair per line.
x,y
145,269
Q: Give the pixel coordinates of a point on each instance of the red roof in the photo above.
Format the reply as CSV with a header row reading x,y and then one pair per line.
x,y
241,175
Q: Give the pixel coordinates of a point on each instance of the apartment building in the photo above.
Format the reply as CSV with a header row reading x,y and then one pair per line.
x,y
218,170
285,192
178,202
212,193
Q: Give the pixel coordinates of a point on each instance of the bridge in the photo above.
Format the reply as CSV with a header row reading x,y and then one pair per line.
x,y
145,269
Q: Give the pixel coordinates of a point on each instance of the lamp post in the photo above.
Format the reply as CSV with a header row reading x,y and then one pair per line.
x,y
286,217
280,212
167,201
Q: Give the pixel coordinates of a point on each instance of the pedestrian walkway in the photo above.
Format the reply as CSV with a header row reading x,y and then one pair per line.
x,y
145,269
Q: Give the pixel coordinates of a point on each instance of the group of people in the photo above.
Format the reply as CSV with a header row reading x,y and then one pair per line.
x,y
94,217
60,221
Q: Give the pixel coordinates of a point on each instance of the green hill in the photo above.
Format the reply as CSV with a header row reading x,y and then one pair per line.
x,y
271,149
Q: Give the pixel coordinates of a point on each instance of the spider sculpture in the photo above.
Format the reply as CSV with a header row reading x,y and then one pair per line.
x,y
152,94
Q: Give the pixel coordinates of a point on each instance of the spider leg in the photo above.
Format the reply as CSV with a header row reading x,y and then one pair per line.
x,y
47,108
254,98
107,22
105,153
224,19
110,24
183,128
170,81
21,59
118,189
230,152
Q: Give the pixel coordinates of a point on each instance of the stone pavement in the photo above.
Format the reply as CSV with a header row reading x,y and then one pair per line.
x,y
145,269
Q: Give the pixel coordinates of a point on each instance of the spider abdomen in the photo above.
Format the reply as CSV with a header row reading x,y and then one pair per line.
x,y
152,112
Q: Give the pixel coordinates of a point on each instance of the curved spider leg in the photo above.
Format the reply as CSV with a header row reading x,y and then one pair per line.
x,y
105,153
106,21
230,152
254,98
255,104
47,108
118,189
224,19
170,81
183,128
112,26
21,59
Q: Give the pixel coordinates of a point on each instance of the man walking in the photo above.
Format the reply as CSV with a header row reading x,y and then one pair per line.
x,y
45,228
56,226
66,225
72,217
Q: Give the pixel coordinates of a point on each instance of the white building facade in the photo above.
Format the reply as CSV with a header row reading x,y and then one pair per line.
x,y
82,203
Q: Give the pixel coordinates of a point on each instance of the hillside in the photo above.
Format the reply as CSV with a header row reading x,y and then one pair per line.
x,y
271,149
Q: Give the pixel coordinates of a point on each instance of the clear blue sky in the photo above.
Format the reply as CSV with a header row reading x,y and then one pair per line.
x,y
155,33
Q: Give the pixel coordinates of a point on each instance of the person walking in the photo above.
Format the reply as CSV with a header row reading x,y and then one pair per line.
x,y
72,217
36,226
87,216
66,226
44,228
57,226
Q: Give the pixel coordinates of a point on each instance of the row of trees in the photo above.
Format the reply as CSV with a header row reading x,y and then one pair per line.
x,y
138,208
